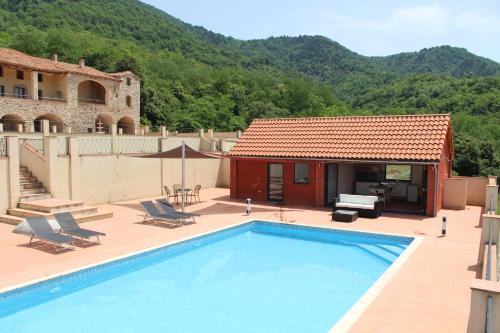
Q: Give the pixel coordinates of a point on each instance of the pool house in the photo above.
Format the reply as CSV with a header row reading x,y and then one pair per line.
x,y
404,160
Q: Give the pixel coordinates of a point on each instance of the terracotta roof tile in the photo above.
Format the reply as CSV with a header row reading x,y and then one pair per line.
x,y
415,138
19,59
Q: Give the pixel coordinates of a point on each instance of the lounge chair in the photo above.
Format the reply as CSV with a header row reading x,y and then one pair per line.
x,y
154,214
70,227
42,230
167,208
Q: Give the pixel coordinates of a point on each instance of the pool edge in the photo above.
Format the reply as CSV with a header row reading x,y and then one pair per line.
x,y
124,256
345,323
342,325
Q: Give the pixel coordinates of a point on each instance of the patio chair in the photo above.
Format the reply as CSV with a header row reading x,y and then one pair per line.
x,y
42,230
154,214
194,194
169,209
174,195
70,227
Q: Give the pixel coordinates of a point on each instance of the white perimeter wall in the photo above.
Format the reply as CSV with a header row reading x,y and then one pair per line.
x,y
4,185
111,178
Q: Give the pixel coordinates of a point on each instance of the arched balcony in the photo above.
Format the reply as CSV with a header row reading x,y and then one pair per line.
x,y
91,92
127,125
11,122
53,121
103,124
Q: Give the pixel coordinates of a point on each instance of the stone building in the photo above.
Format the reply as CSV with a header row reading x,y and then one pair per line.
x,y
73,97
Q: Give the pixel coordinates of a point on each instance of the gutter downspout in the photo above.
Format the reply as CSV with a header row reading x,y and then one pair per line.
x,y
435,189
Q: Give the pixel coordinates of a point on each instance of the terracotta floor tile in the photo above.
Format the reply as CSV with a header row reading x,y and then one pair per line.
x,y
430,293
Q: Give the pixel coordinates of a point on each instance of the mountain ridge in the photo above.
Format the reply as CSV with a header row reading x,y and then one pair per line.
x,y
194,78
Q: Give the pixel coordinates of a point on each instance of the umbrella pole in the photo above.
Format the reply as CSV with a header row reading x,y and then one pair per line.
x,y
183,193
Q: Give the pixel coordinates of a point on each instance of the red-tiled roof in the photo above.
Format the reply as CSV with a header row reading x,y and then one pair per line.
x,y
18,59
407,138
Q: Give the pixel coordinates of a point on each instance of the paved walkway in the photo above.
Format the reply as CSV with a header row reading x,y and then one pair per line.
x,y
430,293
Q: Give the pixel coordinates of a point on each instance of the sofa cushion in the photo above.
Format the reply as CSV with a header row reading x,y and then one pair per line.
x,y
358,199
354,206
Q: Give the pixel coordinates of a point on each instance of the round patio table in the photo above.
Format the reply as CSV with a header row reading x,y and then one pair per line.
x,y
183,195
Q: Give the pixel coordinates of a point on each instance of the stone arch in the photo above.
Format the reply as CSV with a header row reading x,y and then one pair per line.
x,y
103,123
126,124
53,121
90,91
11,122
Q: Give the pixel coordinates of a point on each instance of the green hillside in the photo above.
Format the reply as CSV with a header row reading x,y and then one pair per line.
x,y
447,60
196,78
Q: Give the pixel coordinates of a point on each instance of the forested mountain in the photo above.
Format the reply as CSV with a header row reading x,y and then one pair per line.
x,y
196,78
447,60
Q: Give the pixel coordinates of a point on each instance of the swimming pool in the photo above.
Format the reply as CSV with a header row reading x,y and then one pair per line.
x,y
255,277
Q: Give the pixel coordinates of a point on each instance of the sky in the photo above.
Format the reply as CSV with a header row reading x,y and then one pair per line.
x,y
369,27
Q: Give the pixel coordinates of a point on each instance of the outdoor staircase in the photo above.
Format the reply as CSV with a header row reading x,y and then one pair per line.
x,y
36,201
31,188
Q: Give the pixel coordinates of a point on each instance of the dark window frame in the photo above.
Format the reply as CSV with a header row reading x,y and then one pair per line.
x,y
40,77
20,74
128,101
129,81
394,179
295,174
40,94
1,71
24,94
2,90
269,182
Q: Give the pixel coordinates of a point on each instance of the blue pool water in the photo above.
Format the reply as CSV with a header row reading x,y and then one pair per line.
x,y
258,277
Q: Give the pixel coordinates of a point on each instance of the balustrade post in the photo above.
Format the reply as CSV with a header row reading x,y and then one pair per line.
x,y
50,152
46,127
75,170
13,163
114,128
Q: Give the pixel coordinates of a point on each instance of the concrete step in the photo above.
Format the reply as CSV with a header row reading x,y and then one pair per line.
x,y
22,168
93,217
15,220
33,190
23,180
25,186
79,211
9,219
25,174
32,197
50,205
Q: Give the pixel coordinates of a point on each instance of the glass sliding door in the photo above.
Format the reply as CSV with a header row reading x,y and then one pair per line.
x,y
275,182
331,183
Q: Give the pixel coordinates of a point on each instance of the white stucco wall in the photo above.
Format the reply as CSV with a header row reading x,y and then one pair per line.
x,y
4,185
113,178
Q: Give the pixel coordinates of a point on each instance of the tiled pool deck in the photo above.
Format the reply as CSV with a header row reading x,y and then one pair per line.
x,y
429,293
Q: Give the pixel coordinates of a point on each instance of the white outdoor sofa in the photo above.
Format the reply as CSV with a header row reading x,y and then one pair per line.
x,y
365,205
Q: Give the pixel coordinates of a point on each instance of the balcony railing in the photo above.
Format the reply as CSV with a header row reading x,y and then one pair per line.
x,y
43,98
92,101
